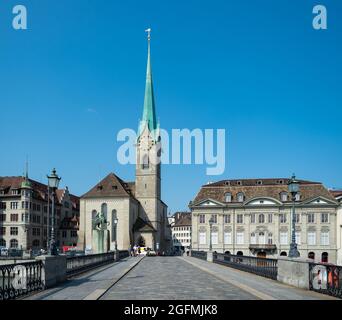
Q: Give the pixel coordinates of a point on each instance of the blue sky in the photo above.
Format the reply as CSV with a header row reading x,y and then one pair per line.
x,y
256,68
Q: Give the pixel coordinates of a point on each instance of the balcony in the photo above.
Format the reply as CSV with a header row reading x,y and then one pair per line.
x,y
262,247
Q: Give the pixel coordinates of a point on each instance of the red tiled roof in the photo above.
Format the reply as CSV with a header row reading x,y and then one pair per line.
x,y
110,186
39,189
183,220
253,188
336,193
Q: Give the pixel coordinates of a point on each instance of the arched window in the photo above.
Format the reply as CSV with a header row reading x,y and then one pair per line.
x,y
2,243
283,254
14,243
240,197
261,218
311,255
325,257
35,243
114,226
270,238
253,238
239,253
146,162
93,217
104,209
228,197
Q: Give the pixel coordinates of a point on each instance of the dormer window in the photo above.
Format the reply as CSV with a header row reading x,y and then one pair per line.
x,y
228,197
15,192
283,196
259,182
240,197
297,198
239,183
227,183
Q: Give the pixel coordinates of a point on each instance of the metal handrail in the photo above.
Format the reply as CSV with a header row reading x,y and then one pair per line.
x,y
264,267
199,254
20,279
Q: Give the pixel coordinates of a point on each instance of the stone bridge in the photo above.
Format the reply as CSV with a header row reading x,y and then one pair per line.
x,y
172,278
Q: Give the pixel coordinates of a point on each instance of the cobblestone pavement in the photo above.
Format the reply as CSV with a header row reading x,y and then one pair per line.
x,y
264,288
90,285
171,278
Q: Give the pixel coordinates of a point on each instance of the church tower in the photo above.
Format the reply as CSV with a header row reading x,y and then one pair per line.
x,y
148,175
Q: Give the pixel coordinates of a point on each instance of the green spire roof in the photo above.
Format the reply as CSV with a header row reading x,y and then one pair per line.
x,y
26,183
149,115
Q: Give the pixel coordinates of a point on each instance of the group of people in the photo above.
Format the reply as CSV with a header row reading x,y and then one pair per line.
x,y
135,251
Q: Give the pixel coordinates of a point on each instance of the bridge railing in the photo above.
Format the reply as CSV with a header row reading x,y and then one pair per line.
x,y
20,279
123,254
81,263
261,266
326,279
199,254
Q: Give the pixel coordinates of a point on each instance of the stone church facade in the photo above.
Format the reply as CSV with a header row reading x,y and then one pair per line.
x,y
137,207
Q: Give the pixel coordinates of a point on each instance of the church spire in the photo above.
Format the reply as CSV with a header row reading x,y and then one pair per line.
x,y
26,183
149,114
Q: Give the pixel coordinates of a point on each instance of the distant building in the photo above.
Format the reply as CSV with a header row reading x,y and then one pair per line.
x,y
252,217
24,217
338,196
181,231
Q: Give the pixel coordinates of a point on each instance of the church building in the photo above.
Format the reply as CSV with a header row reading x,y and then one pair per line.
x,y
134,211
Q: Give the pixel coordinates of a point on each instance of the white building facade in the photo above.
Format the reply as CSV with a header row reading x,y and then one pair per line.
x,y
252,217
181,231
338,196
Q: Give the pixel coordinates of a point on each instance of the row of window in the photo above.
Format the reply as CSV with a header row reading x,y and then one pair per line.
x,y
185,240
14,205
284,238
16,192
14,244
181,228
182,234
263,218
26,217
14,231
240,197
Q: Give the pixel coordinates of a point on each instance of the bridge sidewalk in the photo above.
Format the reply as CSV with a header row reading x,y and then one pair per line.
x,y
262,288
90,285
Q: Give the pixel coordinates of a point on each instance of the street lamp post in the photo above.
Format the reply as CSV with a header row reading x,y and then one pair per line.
x,y
211,222
293,187
53,183
116,221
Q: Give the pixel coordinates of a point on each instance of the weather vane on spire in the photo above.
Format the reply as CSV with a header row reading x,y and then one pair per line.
x,y
148,33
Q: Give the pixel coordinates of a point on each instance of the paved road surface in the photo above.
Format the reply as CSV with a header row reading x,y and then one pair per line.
x,y
172,278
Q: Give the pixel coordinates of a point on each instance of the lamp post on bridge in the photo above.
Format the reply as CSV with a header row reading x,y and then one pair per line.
x,y
211,222
53,182
293,187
